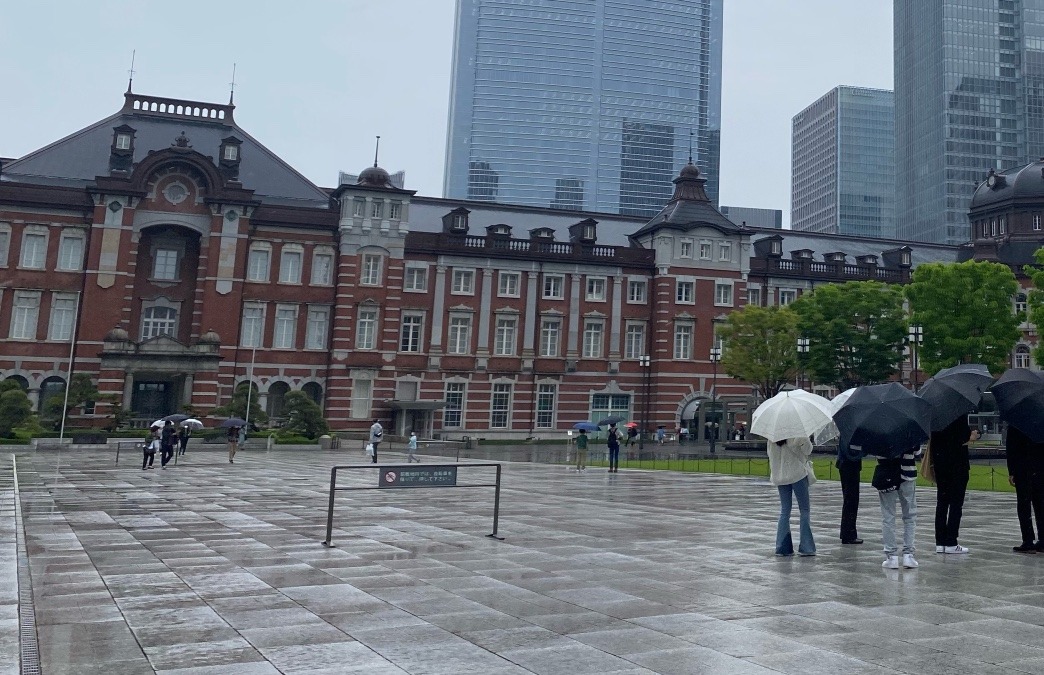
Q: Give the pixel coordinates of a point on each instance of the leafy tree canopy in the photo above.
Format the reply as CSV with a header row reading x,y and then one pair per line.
x,y
967,313
15,408
759,347
855,330
238,405
1036,299
81,391
303,416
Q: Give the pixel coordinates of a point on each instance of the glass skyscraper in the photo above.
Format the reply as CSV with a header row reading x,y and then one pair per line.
x,y
843,164
583,104
969,86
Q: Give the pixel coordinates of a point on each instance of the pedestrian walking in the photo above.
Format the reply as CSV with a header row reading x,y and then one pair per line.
x,y
613,441
632,436
581,451
849,470
411,448
233,443
661,435
948,456
1026,473
788,471
896,482
376,436
152,444
168,437
183,437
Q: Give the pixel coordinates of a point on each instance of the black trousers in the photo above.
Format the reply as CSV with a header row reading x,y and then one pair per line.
x,y
949,506
1029,500
166,453
148,458
375,452
849,471
614,457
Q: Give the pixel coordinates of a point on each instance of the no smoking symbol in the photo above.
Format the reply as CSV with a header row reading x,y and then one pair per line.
x,y
391,477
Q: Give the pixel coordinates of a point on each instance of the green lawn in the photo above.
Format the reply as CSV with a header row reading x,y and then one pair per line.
x,y
983,477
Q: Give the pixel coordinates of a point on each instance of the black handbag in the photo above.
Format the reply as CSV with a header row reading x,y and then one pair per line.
x,y
888,475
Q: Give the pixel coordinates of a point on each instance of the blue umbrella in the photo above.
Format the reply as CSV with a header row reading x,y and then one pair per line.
x,y
233,422
586,426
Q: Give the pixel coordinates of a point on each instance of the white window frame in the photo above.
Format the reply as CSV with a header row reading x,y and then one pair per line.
x,y
154,326
255,271
505,335
290,272
160,271
551,284
252,329
1036,222
463,281
123,141
317,329
500,396
508,284
362,398
1022,356
790,293
634,340
371,269
725,251
1020,302
284,332
395,210
366,328
547,404
456,397
25,315
71,259
231,152
721,289
683,336
705,250
596,289
594,339
33,257
359,207
5,243
685,291
458,340
413,273
60,328
411,332
550,337
754,295
637,291
322,274
377,209
686,248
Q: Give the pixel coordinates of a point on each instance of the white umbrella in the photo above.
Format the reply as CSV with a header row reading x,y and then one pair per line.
x,y
789,415
840,399
192,423
829,432
158,423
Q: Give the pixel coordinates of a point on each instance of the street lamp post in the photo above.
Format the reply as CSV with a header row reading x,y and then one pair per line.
x,y
645,361
915,337
802,347
715,356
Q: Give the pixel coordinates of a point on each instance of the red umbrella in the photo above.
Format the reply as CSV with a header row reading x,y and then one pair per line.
x,y
631,424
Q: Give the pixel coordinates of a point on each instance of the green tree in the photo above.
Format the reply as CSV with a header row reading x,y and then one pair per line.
x,y
1035,299
81,392
967,312
238,405
855,331
759,347
15,408
303,416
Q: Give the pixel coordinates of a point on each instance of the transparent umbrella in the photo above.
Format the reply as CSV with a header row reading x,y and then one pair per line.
x,y
789,415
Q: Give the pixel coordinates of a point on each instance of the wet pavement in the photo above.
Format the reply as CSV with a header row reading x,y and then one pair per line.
x,y
214,568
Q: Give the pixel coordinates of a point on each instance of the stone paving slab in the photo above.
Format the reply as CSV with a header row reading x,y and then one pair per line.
x,y
207,568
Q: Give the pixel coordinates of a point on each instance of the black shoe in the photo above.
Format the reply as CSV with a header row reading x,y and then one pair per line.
x,y
852,541
1040,546
1025,548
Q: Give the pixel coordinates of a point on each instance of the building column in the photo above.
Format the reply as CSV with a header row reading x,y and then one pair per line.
x,y
186,389
529,334
128,391
573,338
483,325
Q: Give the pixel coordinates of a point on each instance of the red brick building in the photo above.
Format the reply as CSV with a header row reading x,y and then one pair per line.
x,y
182,258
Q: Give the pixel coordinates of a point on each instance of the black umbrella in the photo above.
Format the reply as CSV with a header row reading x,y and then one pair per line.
x,y
233,422
954,392
885,420
1020,400
611,420
176,418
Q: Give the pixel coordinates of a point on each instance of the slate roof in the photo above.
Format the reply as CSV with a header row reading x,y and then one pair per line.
x,y
77,159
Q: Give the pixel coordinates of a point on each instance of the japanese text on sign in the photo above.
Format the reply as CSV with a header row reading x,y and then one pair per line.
x,y
427,476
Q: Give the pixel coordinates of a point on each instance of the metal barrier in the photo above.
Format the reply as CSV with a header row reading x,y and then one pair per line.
x,y
407,476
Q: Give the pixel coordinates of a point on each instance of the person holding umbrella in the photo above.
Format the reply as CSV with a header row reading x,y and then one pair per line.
x,y
613,441
233,443
788,471
581,451
948,455
1026,472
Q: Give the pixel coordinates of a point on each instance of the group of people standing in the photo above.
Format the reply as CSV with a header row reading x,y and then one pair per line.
x,y
167,440
947,464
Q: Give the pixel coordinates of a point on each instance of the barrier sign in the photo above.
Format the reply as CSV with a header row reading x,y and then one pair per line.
x,y
422,476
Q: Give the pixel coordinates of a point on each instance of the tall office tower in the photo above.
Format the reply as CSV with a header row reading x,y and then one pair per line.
x,y
969,86
843,164
583,105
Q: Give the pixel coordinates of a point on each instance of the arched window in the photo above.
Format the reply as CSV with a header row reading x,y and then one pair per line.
x,y
158,321
314,391
51,388
277,392
22,382
1022,356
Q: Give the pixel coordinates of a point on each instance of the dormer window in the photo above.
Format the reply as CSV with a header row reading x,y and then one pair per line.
x,y
231,153
589,231
777,247
460,222
906,258
123,141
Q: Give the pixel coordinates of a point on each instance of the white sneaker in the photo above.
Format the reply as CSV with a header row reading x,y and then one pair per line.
x,y
909,562
956,549
940,549
891,563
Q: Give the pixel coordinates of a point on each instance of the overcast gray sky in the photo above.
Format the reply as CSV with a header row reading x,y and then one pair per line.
x,y
316,81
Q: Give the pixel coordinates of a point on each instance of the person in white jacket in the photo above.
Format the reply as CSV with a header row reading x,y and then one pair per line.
x,y
788,465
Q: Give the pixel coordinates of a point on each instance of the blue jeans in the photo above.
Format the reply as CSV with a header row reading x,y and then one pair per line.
x,y
614,457
905,495
784,542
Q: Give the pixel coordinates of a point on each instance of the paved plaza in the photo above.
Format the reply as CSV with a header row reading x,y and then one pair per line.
x,y
215,568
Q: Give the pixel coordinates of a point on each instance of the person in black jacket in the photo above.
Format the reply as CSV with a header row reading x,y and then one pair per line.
x,y
613,441
1026,472
849,470
168,437
949,458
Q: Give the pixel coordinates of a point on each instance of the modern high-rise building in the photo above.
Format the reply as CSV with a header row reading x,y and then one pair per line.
x,y
753,217
843,164
583,105
969,86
